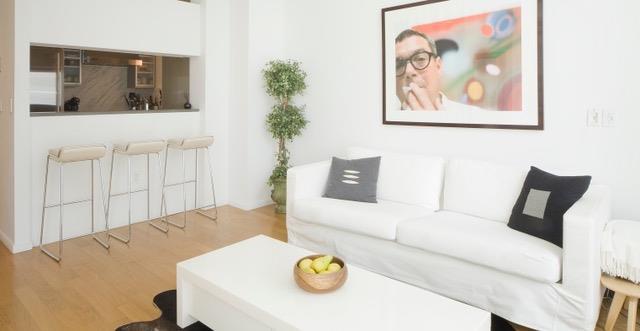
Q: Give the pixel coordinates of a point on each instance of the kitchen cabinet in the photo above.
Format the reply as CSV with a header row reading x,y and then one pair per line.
x,y
142,75
72,67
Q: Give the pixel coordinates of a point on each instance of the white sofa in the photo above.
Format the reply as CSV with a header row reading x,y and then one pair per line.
x,y
442,225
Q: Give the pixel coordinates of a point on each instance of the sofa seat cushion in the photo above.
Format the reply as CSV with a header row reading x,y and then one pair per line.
x,y
484,242
378,220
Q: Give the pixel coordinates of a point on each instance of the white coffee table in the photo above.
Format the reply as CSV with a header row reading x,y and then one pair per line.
x,y
249,286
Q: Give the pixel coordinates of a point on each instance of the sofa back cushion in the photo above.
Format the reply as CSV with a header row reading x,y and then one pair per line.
x,y
407,178
483,189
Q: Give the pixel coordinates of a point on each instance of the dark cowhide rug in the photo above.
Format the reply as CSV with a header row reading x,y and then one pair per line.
x,y
166,302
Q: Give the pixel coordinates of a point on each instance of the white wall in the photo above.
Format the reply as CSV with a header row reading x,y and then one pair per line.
x,y
175,29
210,83
158,26
257,37
590,62
6,123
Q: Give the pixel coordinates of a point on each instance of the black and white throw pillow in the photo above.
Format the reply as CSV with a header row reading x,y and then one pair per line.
x,y
543,201
355,180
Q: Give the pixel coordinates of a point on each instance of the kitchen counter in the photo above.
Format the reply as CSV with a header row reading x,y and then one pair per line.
x,y
113,112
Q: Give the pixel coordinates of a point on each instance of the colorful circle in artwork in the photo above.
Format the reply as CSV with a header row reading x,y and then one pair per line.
x,y
487,30
503,24
475,90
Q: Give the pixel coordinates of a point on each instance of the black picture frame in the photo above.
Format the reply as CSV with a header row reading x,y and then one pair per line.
x,y
540,74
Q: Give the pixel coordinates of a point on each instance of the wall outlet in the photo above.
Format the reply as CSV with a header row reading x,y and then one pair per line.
x,y
594,118
609,119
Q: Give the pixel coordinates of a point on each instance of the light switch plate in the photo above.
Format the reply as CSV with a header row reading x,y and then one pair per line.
x,y
609,119
594,118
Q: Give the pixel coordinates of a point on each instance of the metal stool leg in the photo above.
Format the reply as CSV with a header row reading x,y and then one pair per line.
x,y
95,236
108,209
93,229
184,197
213,190
58,257
148,187
195,183
44,200
114,235
184,192
163,203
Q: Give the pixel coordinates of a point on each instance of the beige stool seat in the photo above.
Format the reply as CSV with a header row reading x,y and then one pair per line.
x,y
191,143
625,290
78,153
140,147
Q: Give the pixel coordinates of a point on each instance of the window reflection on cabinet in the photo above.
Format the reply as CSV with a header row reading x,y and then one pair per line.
x,y
142,74
72,66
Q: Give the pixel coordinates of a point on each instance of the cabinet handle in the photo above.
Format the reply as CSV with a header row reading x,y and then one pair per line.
x,y
59,82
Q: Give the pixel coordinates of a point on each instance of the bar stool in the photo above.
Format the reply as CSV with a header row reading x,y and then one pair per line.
x,y
182,145
129,150
66,155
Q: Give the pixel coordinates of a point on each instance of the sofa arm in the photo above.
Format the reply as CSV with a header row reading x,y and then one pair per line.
x,y
306,181
582,228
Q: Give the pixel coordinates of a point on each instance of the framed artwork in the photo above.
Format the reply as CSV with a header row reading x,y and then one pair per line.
x,y
463,63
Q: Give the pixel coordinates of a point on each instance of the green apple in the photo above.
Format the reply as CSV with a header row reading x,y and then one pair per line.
x,y
305,264
324,272
333,267
308,270
321,263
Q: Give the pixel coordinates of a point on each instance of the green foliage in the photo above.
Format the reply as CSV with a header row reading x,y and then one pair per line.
x,y
283,81
286,122
278,173
282,165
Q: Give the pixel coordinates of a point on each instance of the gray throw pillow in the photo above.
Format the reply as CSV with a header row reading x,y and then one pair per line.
x,y
355,180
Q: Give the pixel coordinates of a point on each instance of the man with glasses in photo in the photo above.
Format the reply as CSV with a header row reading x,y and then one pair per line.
x,y
418,74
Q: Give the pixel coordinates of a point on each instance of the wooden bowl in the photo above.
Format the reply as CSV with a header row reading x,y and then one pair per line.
x,y
323,283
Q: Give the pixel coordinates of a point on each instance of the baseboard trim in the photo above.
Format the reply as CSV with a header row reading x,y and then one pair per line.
x,y
247,206
11,246
23,247
6,241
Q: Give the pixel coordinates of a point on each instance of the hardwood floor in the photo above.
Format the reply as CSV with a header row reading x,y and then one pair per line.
x,y
93,289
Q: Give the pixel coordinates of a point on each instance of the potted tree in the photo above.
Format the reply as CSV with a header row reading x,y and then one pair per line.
x,y
283,81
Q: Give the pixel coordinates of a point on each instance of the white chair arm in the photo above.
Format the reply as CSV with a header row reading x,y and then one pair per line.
x,y
306,181
582,229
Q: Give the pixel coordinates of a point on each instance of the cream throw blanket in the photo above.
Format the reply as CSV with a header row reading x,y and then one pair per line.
x,y
621,250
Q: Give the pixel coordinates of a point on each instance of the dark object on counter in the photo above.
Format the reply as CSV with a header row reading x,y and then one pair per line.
x,y
72,104
134,101
187,105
